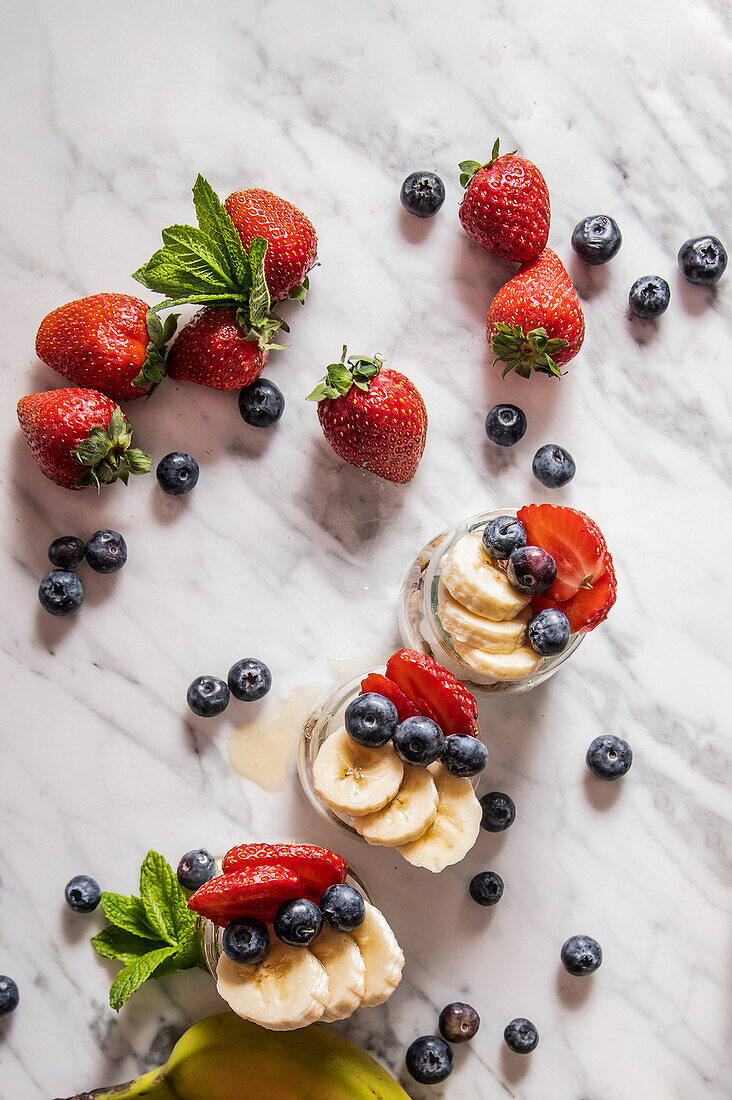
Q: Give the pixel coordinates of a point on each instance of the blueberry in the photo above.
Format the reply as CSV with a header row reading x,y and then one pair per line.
x,y
261,404
207,696
422,194
195,868
521,1036
298,922
581,955
418,741
499,811
177,473
9,995
596,239
464,755
83,894
702,260
61,592
486,888
106,551
502,535
249,679
458,1022
549,632
371,719
429,1060
553,466
649,297
66,552
531,570
245,940
609,757
343,908
505,425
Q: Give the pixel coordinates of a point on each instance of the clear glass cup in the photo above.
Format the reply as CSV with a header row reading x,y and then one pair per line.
x,y
211,936
419,620
326,717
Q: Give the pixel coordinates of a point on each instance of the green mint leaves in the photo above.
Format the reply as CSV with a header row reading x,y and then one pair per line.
x,y
356,370
153,935
208,265
107,455
526,352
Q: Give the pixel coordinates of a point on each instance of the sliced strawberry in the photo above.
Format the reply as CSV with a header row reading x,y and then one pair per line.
x,y
317,868
590,606
257,892
434,690
574,541
382,686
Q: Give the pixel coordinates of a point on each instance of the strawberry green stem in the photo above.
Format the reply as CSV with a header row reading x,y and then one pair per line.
x,y
525,352
106,454
340,378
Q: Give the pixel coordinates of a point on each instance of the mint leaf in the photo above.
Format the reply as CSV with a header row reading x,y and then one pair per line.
x,y
216,224
118,944
132,976
259,300
128,914
187,957
157,893
200,256
166,273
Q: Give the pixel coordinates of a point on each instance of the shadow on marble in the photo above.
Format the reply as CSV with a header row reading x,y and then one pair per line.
x,y
695,300
515,1066
643,332
414,229
602,794
478,275
573,992
589,281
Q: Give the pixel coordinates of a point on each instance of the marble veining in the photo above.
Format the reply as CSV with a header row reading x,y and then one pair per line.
x,y
284,552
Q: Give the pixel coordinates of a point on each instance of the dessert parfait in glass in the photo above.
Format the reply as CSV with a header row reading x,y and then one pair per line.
x,y
291,936
394,755
504,597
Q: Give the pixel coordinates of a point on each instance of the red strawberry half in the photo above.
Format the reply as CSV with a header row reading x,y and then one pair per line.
x,y
383,686
257,892
317,868
585,587
434,690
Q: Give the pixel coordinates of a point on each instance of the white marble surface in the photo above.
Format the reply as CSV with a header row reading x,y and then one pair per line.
x,y
284,552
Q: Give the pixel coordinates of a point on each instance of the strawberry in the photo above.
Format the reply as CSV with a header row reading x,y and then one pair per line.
x,y
434,690
383,686
79,437
318,868
505,208
590,606
258,891
585,587
535,321
106,342
213,351
372,417
293,246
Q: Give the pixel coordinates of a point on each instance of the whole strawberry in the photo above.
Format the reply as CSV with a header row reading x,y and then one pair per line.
x,y
535,321
505,208
293,245
79,437
372,417
106,342
213,351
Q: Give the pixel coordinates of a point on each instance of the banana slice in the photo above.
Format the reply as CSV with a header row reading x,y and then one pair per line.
x,y
409,814
472,580
455,828
502,666
382,955
478,632
287,990
339,955
355,780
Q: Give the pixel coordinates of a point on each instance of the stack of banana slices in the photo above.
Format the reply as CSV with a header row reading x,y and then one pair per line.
x,y
328,980
431,817
484,615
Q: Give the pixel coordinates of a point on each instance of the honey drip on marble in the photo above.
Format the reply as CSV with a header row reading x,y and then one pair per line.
x,y
262,750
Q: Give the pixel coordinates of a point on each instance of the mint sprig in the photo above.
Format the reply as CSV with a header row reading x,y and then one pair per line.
x,y
209,265
153,935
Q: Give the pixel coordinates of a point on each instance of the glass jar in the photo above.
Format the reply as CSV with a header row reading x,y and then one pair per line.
x,y
326,717
211,936
419,619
